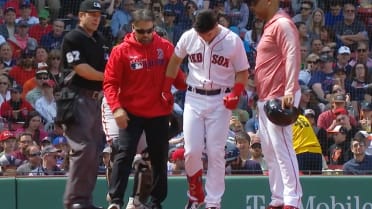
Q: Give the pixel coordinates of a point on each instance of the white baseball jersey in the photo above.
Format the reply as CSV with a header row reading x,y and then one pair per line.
x,y
213,65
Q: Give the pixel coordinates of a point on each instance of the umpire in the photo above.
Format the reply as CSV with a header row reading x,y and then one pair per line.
x,y
84,52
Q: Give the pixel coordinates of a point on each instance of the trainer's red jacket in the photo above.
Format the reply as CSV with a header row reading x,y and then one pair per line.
x,y
134,76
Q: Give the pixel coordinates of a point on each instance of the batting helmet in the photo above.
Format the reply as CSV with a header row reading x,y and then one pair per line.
x,y
231,152
278,115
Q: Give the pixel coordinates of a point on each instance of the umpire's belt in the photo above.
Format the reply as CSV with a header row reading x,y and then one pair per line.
x,y
211,92
97,95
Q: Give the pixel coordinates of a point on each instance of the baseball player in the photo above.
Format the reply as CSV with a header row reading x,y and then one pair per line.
x,y
83,51
133,81
276,76
218,71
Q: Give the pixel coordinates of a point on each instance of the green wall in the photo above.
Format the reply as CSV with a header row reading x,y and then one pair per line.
x,y
242,192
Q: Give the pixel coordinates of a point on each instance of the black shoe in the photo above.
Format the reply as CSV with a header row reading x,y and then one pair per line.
x,y
83,206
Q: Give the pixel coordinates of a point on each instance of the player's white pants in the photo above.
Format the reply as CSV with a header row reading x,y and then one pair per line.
x,y
111,129
206,124
281,159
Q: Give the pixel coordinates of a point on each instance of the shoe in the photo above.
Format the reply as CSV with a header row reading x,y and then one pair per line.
x,y
130,204
274,207
193,205
114,206
84,206
289,207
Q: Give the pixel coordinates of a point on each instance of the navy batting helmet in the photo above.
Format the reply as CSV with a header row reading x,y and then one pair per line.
x,y
278,115
231,152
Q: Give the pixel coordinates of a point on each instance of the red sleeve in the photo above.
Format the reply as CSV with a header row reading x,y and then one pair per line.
x,y
112,77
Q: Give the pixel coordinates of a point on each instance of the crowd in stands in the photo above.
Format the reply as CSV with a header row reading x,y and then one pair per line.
x,y
335,79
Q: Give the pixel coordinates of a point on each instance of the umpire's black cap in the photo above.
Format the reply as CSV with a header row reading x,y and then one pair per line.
x,y
90,6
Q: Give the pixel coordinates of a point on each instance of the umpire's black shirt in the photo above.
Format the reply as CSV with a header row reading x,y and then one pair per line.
x,y
78,48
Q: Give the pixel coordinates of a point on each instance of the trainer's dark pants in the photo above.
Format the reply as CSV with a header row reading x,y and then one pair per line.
x,y
85,136
156,130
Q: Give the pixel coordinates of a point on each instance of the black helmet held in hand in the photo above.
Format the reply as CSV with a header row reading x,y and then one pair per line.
x,y
278,115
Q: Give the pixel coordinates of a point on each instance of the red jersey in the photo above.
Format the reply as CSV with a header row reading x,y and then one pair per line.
x,y
134,76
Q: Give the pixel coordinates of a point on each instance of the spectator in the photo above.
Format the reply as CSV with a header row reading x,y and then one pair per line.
x,y
33,162
7,29
307,147
53,7
342,62
178,161
8,165
248,97
185,22
304,53
362,56
16,5
359,85
312,66
25,69
49,157
41,77
55,66
305,12
253,36
46,141
7,142
238,12
21,39
256,152
327,50
38,30
366,137
16,109
25,14
351,30
41,54
4,89
33,126
121,17
169,26
234,164
360,164
316,45
339,151
32,82
334,15
316,22
366,116
6,56
322,80
305,37
46,104
343,119
53,39
297,4
311,117
24,140
157,9
60,143
306,93
242,141
327,36
179,8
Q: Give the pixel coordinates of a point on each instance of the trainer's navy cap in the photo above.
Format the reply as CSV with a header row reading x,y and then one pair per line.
x,y
90,6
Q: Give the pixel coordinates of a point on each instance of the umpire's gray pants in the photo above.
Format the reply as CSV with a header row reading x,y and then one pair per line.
x,y
85,137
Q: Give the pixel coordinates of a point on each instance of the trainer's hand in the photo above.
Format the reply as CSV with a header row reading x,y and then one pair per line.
x,y
287,101
121,118
231,100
